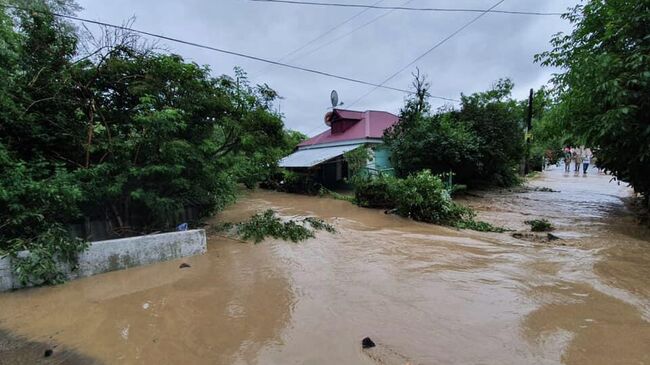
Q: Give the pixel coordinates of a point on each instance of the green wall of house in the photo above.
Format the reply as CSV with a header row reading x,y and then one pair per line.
x,y
382,157
334,174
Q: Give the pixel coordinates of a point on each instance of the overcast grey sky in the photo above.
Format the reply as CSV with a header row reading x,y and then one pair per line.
x,y
497,45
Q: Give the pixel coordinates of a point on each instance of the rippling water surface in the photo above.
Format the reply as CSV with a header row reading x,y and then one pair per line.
x,y
428,294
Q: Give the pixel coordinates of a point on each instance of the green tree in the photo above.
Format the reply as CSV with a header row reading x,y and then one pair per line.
x,y
108,128
603,90
497,121
482,142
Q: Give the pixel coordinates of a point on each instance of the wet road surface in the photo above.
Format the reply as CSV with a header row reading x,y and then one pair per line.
x,y
426,294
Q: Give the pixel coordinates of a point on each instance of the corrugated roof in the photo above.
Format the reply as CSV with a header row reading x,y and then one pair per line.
x,y
314,156
371,124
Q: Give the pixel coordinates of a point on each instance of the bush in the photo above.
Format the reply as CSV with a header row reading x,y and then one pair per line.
x,y
266,224
290,182
539,225
536,160
423,197
375,192
49,252
34,204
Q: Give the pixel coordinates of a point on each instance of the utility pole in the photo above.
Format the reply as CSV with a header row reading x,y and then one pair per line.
x,y
529,128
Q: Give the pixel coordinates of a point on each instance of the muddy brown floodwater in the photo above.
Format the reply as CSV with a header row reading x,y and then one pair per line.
x,y
426,294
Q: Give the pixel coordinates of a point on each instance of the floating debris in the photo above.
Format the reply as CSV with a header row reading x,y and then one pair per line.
x,y
367,343
383,354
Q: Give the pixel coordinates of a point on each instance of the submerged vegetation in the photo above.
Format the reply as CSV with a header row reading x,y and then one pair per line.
x,y
424,197
421,196
268,224
479,226
539,225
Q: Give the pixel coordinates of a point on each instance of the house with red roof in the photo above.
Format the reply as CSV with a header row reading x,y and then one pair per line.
x,y
322,155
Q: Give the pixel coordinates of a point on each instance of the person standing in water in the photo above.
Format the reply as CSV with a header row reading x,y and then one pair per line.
x,y
577,159
586,158
567,159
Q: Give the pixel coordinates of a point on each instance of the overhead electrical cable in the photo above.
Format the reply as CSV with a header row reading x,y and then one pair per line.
x,y
317,38
404,8
220,50
440,43
344,35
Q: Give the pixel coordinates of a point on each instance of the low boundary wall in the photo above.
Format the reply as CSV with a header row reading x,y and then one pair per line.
x,y
111,255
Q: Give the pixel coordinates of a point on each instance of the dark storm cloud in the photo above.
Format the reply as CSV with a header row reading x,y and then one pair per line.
x,y
497,45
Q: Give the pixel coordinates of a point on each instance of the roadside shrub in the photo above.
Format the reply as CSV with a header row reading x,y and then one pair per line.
x,y
423,197
33,202
375,192
49,252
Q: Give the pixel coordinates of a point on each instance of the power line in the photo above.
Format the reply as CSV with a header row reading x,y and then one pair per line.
x,y
451,10
350,32
322,35
220,50
356,29
430,50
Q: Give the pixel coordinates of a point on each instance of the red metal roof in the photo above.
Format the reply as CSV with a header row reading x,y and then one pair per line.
x,y
371,124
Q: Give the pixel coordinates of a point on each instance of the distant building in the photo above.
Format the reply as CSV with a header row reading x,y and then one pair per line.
x,y
322,156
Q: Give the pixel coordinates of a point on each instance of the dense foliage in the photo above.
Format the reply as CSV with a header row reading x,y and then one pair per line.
x,y
481,143
107,128
374,192
357,159
424,197
603,89
421,196
291,182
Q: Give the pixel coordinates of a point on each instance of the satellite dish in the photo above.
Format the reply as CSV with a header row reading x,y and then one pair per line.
x,y
334,96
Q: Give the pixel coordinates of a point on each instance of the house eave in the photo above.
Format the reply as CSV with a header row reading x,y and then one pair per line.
x,y
342,143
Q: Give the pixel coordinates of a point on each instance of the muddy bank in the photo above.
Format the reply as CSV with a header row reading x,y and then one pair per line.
x,y
432,295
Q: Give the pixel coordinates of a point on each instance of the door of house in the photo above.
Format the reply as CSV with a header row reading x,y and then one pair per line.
x,y
339,170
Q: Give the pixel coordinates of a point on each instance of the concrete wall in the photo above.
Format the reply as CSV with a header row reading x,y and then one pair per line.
x,y
105,256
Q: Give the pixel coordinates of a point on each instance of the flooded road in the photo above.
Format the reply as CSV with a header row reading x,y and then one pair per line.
x,y
433,295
